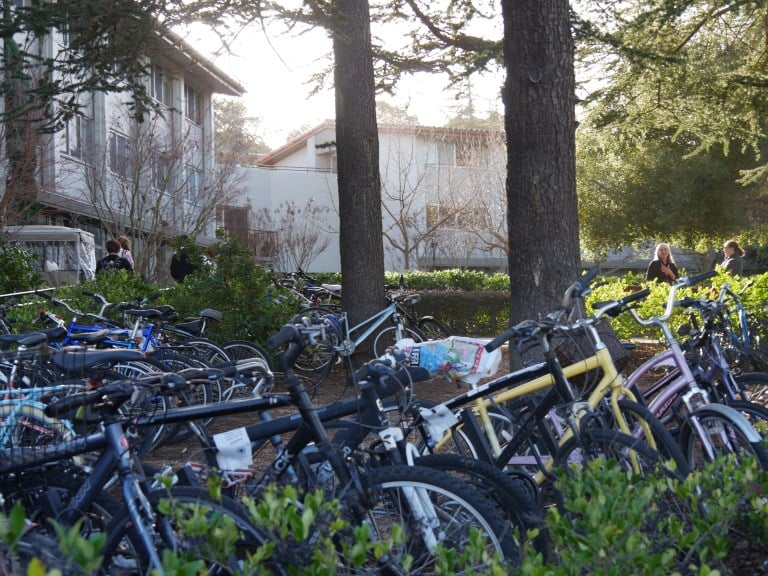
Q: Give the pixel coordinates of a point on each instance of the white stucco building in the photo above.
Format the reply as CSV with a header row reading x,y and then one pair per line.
x,y
104,170
442,194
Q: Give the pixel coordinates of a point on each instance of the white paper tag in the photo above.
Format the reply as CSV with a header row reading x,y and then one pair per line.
x,y
438,420
234,448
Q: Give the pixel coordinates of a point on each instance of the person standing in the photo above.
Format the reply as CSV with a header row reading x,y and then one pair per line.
x,y
185,259
733,263
113,260
662,267
125,250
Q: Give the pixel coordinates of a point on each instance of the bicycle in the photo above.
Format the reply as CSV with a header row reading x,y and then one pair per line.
x,y
402,490
135,534
622,409
343,340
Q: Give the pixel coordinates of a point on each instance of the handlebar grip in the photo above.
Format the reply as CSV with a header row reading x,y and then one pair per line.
x,y
586,279
686,302
44,295
640,294
68,404
691,280
286,335
116,393
508,334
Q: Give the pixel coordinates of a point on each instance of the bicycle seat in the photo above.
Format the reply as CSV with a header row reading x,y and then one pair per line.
x,y
77,360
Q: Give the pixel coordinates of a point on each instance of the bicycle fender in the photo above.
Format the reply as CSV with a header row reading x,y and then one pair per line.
x,y
736,418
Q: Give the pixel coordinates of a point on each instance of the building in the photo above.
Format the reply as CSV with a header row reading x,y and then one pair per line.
x,y
442,198
106,172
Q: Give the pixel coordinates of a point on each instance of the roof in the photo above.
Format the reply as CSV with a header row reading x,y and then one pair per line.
x,y
299,142
40,232
190,59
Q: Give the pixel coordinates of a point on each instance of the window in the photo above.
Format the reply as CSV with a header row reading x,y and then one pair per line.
x,y
120,157
192,104
78,134
442,154
161,172
160,85
194,183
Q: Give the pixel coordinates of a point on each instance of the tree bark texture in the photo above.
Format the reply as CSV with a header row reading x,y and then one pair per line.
x,y
539,100
357,146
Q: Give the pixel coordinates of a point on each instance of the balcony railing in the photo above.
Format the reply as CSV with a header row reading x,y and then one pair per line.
x,y
262,243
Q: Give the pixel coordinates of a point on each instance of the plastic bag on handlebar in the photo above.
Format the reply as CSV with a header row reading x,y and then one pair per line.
x,y
458,358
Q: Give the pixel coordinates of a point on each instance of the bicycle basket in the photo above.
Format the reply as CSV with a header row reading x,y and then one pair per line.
x,y
578,345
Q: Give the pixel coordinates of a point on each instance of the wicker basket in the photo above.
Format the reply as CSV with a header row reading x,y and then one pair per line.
x,y
578,345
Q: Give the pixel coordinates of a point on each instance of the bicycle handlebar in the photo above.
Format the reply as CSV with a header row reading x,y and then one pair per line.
x,y
680,283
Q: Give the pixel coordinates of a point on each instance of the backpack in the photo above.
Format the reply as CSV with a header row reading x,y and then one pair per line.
x,y
113,262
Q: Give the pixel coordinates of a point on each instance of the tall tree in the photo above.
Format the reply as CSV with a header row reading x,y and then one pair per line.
x,y
357,144
539,99
679,125
237,134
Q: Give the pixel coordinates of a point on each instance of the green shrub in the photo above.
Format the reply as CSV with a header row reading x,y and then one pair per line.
x,y
239,288
614,523
17,270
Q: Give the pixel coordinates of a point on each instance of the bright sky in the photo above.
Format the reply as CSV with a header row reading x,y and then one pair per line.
x,y
276,72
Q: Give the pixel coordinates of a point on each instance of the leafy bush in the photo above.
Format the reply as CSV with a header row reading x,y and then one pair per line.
x,y
239,288
17,270
612,521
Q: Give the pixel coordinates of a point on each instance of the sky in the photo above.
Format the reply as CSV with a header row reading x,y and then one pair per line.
x,y
276,72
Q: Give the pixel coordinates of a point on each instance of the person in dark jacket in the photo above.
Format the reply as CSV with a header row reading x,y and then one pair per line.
x,y
181,263
662,267
113,260
733,262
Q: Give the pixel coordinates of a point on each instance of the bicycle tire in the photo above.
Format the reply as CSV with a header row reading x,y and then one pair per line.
x,y
727,437
121,530
35,489
387,338
244,349
460,509
755,386
317,359
517,498
207,350
631,453
432,329
756,414
661,439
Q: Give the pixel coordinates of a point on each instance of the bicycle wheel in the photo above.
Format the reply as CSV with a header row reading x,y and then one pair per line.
x,y
122,556
388,337
433,329
708,433
647,427
756,415
206,350
754,386
43,493
432,508
516,497
317,359
243,349
631,453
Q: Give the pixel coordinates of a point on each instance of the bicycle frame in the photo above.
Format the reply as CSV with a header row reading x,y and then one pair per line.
x,y
349,344
519,385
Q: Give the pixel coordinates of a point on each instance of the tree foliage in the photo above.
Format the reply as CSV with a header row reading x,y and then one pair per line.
x,y
237,134
673,142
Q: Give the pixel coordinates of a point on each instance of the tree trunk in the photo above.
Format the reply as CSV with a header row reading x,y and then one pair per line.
x,y
357,145
539,99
